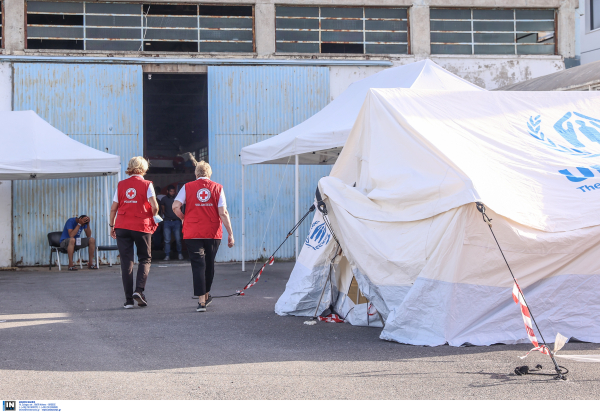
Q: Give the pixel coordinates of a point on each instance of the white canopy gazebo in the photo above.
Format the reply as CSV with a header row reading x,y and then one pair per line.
x,y
32,149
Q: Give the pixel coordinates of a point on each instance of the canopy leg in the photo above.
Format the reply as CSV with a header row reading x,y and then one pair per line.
x,y
243,224
297,203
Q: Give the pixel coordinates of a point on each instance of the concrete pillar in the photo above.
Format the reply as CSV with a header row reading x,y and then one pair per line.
x,y
419,31
264,20
5,185
14,25
566,28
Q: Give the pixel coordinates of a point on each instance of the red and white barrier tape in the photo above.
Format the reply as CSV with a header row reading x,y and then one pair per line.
x,y
333,318
255,281
519,300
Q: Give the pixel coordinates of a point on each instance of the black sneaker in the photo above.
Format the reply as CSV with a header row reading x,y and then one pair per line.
x,y
209,300
140,299
128,304
201,307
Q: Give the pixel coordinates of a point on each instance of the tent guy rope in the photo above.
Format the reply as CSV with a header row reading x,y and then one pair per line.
x,y
256,276
519,298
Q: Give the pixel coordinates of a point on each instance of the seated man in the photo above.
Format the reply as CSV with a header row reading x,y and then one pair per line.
x,y
72,241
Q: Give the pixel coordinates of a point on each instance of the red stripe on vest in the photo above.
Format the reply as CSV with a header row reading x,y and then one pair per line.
x,y
202,220
135,212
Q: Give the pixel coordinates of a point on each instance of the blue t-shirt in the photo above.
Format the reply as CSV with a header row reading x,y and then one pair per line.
x,y
70,225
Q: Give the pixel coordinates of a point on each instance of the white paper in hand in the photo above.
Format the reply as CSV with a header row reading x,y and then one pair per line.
x,y
157,219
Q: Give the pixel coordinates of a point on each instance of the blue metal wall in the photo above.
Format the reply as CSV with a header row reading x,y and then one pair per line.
x,y
98,105
247,105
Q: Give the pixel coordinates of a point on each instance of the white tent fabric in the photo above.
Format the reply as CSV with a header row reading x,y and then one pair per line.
x,y
416,243
33,149
326,132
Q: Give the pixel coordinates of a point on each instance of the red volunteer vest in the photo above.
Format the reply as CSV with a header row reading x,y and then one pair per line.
x,y
135,212
202,220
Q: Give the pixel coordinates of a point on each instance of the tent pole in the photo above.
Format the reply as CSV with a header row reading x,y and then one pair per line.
x,y
297,203
243,224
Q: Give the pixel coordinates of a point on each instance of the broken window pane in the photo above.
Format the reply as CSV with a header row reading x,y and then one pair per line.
x,y
170,46
55,44
342,48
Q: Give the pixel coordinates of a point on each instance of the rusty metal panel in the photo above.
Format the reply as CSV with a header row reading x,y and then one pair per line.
x,y
247,105
98,105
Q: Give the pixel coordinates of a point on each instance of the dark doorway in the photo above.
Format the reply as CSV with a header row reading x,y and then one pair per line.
x,y
175,127
175,136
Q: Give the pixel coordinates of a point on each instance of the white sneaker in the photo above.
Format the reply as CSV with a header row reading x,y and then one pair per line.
x,y
166,258
180,256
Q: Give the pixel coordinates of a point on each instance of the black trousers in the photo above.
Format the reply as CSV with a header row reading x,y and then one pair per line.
x,y
202,255
143,241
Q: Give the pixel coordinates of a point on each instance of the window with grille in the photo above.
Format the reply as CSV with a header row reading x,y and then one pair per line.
x,y
203,154
492,31
348,30
140,27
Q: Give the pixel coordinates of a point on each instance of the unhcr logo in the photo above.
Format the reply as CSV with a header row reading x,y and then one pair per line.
x,y
317,236
576,134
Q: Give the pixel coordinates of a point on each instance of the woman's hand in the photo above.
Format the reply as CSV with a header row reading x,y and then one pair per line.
x,y
230,241
112,233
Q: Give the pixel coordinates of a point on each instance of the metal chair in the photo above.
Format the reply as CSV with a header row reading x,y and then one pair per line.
x,y
54,242
106,248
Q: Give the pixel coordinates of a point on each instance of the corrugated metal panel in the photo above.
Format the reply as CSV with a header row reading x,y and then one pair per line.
x,y
98,105
247,105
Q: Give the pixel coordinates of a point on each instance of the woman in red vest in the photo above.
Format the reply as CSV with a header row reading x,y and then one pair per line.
x,y
205,213
132,222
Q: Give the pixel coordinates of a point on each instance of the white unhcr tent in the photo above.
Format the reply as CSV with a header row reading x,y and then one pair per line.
x,y
33,149
401,202
319,139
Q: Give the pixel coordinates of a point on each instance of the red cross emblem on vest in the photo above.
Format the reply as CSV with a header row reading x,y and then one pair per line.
x,y
203,195
130,193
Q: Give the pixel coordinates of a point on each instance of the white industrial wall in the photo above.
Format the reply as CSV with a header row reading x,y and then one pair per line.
x,y
5,186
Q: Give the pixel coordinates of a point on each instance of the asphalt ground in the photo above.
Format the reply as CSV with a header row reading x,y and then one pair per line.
x,y
65,335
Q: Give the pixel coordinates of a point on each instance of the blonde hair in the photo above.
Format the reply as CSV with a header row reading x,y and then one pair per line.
x,y
137,166
203,169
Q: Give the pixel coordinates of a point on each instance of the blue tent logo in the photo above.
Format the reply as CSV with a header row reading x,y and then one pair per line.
x,y
318,235
577,134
